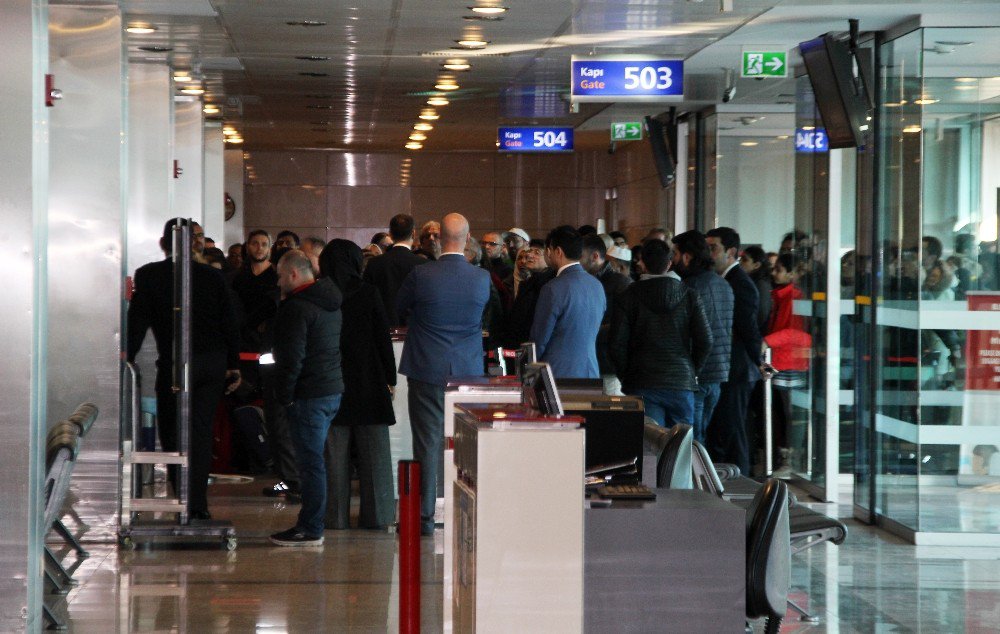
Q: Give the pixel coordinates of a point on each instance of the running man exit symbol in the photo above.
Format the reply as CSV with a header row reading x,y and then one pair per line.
x,y
764,64
626,131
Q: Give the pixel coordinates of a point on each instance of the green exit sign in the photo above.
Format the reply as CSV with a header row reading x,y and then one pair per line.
x,y
626,131
765,64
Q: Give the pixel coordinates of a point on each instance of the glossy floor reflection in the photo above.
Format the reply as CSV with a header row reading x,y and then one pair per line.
x,y
875,582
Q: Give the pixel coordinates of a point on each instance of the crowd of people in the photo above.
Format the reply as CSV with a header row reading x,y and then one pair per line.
x,y
681,321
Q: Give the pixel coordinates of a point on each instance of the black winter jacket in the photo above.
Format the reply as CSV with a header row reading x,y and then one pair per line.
x,y
717,298
307,343
660,336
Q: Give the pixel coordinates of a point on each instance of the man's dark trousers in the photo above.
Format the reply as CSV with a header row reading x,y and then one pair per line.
x,y
208,380
727,433
426,404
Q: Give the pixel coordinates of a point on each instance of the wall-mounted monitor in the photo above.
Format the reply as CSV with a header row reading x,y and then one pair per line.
x,y
663,143
840,94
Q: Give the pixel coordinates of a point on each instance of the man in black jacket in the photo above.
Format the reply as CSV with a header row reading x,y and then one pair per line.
x,y
693,262
214,362
727,432
387,272
308,383
594,261
522,311
660,338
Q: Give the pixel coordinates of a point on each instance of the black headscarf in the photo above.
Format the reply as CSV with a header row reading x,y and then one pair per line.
x,y
341,261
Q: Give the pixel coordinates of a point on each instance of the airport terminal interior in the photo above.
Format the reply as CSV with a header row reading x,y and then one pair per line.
x,y
856,142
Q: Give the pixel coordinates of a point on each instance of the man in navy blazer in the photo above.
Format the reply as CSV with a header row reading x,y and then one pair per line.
x,y
442,302
726,435
569,311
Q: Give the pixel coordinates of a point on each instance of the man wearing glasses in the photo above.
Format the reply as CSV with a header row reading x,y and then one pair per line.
x,y
492,245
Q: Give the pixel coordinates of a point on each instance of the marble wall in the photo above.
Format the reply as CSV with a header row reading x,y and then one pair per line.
x,y
353,195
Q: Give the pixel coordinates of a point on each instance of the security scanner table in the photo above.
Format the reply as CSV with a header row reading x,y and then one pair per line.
x,y
518,514
674,564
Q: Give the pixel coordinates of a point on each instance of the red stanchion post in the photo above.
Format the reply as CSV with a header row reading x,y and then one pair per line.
x,y
409,547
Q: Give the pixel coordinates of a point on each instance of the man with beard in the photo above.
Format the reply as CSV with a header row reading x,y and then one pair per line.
x,y
594,261
492,244
257,287
430,240
693,263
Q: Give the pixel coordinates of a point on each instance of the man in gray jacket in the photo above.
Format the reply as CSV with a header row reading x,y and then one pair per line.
x,y
693,262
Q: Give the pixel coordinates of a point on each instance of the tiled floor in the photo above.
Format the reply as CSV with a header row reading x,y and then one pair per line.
x,y
873,583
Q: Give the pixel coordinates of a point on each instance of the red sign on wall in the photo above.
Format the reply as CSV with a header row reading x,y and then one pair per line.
x,y
982,348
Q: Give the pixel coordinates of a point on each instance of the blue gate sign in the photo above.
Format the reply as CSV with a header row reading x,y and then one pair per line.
x,y
535,139
810,140
626,78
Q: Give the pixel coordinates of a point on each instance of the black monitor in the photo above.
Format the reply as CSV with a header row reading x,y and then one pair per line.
x,y
840,96
663,143
524,355
538,388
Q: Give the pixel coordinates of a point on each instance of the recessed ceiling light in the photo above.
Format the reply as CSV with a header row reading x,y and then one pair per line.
x,y
429,115
227,130
488,10
312,58
748,143
456,65
895,104
472,43
808,127
437,101
965,80
925,101
413,145
911,129
782,137
444,86
423,127
193,90
210,109
305,23
417,136
182,77
234,139
156,49
140,28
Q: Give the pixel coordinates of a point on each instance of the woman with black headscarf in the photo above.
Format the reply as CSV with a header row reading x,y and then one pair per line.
x,y
366,408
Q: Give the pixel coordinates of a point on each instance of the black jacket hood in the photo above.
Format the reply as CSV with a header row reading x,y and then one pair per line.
x,y
660,294
324,294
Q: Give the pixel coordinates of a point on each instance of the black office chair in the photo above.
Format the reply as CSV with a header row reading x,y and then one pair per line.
x,y
769,559
672,448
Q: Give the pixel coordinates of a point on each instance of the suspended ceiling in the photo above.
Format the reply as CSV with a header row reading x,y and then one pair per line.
x,y
359,78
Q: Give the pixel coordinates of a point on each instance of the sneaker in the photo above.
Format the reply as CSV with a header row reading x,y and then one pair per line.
x,y
277,490
294,537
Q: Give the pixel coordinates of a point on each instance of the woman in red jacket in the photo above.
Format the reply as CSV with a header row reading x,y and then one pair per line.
x,y
790,346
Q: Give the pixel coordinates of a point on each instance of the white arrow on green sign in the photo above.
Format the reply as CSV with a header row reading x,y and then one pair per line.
x,y
626,131
764,64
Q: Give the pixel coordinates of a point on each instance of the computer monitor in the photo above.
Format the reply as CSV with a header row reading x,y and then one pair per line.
x,y
524,355
538,388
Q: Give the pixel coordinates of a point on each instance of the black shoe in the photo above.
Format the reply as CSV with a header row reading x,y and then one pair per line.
x,y
199,515
277,490
295,537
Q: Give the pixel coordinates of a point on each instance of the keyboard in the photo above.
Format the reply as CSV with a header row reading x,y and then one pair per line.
x,y
626,492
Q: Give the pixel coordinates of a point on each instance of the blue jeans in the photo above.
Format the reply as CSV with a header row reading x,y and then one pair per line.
x,y
705,400
309,419
667,407
426,404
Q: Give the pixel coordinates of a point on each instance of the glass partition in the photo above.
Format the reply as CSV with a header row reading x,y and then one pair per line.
x,y
937,348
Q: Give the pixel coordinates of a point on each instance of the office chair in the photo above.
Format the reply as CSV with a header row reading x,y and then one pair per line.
x,y
673,451
769,560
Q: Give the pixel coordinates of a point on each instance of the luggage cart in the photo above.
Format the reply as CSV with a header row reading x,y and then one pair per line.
x,y
132,528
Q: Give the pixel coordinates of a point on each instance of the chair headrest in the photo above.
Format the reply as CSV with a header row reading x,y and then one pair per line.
x,y
769,551
673,466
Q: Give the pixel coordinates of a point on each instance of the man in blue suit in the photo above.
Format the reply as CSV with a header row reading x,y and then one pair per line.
x,y
569,311
442,303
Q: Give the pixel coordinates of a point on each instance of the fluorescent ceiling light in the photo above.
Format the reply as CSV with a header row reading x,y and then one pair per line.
x,y
210,109
488,10
926,101
193,90
182,78
413,145
437,101
429,115
911,129
446,86
748,143
140,28
423,127
456,65
417,136
472,43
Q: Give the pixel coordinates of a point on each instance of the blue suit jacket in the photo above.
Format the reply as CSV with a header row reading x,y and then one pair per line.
x,y
567,319
442,303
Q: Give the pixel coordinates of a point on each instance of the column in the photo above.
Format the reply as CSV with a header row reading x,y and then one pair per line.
x,y
23,210
214,190
189,158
